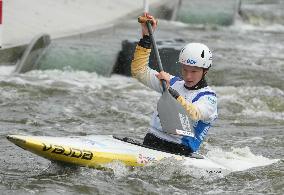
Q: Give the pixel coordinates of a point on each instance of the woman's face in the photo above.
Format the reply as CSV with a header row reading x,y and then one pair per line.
x,y
192,75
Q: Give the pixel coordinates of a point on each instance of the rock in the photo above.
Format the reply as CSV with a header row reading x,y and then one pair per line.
x,y
168,49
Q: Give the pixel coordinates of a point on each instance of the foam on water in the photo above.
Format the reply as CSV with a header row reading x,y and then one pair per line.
x,y
242,26
118,169
6,70
263,114
66,79
238,159
251,102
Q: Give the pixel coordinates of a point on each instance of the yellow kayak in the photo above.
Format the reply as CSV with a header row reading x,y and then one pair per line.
x,y
99,150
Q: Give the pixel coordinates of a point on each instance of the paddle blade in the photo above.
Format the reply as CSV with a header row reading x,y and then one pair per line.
x,y
173,117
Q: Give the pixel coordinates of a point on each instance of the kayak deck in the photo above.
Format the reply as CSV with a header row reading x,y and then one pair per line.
x,y
135,142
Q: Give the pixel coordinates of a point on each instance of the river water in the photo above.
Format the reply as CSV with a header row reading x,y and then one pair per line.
x,y
248,137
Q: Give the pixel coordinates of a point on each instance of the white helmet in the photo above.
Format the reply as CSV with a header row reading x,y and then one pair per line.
x,y
196,54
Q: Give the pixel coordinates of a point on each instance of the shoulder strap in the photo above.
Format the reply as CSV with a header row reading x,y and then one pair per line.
x,y
174,79
199,95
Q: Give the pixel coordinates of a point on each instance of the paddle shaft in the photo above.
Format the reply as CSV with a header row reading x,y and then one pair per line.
x,y
171,113
150,30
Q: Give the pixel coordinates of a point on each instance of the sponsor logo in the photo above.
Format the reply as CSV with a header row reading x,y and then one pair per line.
x,y
186,125
214,171
204,132
211,100
185,122
145,159
190,61
186,133
66,151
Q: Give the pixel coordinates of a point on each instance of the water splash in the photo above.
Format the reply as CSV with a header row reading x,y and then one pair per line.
x,y
238,159
242,103
118,169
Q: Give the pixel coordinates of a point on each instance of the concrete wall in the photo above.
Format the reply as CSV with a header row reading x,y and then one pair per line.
x,y
24,19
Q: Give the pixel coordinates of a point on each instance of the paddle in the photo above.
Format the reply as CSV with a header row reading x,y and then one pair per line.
x,y
146,6
173,117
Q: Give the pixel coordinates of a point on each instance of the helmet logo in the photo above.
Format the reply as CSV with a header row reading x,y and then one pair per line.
x,y
202,54
189,61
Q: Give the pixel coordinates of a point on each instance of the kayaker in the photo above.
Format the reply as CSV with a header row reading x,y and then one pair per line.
x,y
192,92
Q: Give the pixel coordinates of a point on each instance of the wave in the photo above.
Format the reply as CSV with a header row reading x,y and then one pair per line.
x,y
238,159
250,102
260,12
6,70
241,102
61,79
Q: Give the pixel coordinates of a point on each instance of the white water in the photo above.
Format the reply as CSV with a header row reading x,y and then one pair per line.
x,y
238,159
268,27
6,70
235,159
253,102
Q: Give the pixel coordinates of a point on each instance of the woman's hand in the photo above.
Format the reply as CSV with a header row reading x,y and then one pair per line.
x,y
164,76
144,27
